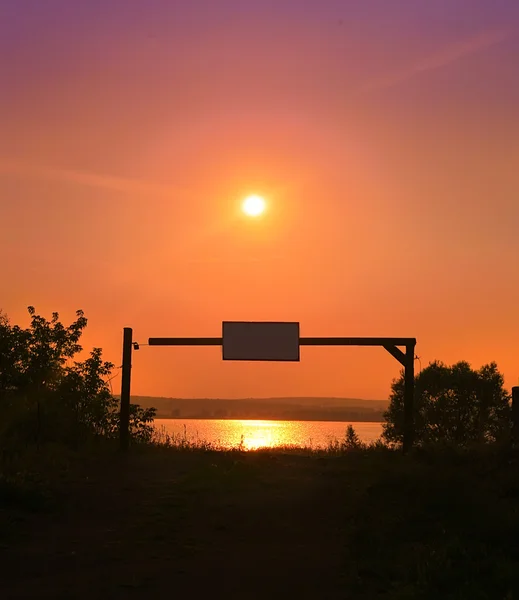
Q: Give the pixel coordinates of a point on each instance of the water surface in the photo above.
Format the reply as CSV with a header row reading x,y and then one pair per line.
x,y
262,433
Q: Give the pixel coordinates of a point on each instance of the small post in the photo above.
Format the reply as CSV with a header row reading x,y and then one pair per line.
x,y
124,415
408,398
515,416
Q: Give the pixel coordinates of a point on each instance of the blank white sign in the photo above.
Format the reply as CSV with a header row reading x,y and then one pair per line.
x,y
260,340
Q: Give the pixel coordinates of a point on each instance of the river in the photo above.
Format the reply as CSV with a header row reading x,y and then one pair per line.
x,y
258,434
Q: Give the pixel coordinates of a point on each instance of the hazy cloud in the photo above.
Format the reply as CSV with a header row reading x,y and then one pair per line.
x,y
121,184
438,60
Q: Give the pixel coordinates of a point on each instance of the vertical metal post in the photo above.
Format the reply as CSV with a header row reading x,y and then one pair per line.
x,y
515,416
408,398
124,416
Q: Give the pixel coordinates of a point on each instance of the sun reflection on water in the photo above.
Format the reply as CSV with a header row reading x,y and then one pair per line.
x,y
259,433
266,434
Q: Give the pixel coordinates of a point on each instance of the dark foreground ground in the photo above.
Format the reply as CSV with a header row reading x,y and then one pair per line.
x,y
165,523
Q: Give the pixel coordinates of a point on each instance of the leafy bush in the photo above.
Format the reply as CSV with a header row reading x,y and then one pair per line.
x,y
454,405
47,396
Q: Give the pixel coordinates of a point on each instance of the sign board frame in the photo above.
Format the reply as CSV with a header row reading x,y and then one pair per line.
x,y
261,341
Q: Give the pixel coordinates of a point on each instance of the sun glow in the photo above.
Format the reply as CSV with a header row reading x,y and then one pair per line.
x,y
254,206
262,434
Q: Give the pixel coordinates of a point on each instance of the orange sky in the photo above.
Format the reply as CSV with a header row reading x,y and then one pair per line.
x,y
386,141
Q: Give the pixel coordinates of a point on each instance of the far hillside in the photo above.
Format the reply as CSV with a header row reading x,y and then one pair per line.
x,y
298,409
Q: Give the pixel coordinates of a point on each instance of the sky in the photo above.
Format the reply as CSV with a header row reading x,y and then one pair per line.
x,y
384,135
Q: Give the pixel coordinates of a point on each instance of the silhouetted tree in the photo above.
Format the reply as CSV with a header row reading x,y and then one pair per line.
x,y
454,404
351,439
46,394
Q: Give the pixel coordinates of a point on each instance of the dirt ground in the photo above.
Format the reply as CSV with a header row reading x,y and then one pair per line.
x,y
153,529
253,525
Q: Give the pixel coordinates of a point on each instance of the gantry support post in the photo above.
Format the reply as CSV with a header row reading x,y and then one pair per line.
x,y
406,359
124,415
409,398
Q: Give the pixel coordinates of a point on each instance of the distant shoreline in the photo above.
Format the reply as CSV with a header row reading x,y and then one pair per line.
x,y
334,410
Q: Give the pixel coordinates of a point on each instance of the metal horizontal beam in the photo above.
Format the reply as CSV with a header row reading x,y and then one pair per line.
x,y
304,341
355,341
217,341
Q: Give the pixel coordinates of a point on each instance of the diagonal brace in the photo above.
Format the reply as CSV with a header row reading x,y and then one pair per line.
x,y
397,353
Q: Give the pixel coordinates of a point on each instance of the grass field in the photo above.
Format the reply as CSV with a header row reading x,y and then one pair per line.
x,y
163,522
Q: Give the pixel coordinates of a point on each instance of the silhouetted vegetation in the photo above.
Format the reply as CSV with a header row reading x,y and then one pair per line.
x,y
452,405
46,395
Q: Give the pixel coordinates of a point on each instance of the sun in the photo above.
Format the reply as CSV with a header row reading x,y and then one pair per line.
x,y
254,206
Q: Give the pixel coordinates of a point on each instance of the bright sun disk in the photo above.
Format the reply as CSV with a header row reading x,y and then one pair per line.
x,y
253,206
